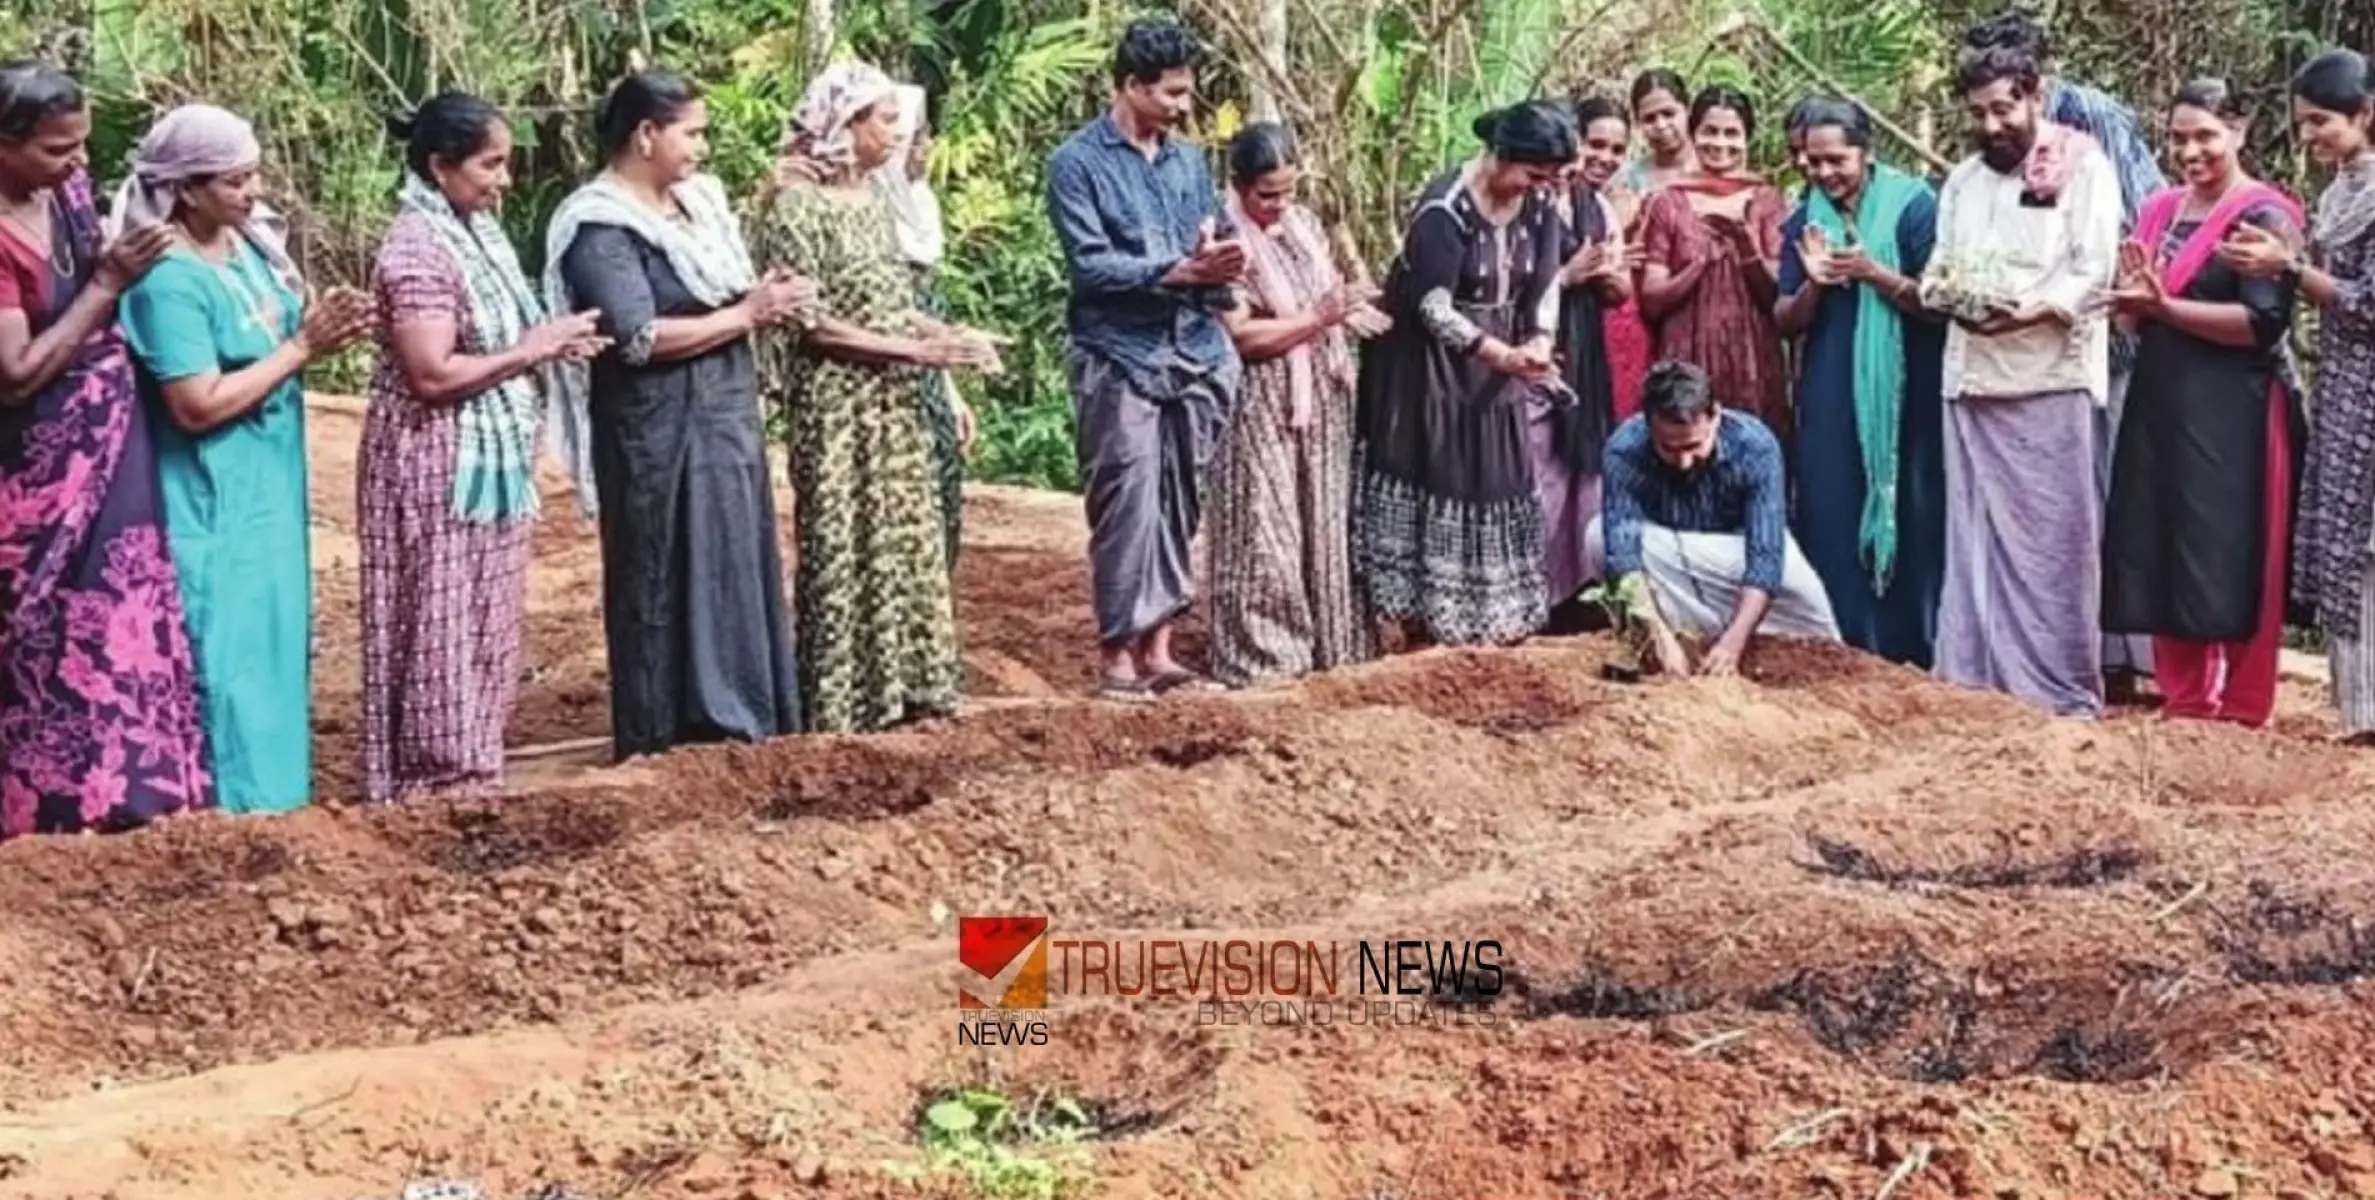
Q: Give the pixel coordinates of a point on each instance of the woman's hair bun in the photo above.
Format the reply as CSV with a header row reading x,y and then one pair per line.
x,y
400,124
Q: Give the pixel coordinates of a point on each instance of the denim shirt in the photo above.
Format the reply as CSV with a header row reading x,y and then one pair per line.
x,y
1738,490
1125,220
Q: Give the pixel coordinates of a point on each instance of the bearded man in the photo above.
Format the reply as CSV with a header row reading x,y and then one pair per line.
x,y
2028,230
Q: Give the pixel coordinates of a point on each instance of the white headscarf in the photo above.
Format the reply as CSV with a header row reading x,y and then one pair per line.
x,y
194,142
915,209
820,125
708,256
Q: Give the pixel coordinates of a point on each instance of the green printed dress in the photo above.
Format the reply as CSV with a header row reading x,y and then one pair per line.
x,y
877,624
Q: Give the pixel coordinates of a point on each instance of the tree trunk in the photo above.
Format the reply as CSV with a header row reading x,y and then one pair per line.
x,y
818,33
1270,26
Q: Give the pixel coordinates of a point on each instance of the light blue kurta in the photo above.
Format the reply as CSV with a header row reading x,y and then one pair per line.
x,y
236,509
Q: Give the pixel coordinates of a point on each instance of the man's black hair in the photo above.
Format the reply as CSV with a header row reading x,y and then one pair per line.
x,y
1676,391
2012,29
1977,67
1150,48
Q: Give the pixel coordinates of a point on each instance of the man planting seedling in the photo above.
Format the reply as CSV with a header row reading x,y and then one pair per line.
x,y
1696,526
1642,636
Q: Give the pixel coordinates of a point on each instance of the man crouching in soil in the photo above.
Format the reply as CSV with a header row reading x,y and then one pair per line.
x,y
1696,504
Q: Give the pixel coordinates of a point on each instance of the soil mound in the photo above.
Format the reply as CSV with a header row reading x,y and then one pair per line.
x,y
1828,930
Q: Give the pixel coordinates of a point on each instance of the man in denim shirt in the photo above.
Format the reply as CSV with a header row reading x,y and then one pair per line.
x,y
1154,374
1695,505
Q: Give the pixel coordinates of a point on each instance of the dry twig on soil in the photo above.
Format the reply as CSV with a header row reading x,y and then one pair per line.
x,y
1802,1133
1911,1166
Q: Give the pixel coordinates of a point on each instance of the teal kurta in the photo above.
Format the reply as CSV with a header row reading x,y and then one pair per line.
x,y
235,508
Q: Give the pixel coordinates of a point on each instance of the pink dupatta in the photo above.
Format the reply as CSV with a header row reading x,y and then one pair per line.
x,y
1287,290
2160,212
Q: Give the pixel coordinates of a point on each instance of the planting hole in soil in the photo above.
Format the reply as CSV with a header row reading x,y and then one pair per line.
x,y
1196,751
1497,693
491,841
2288,941
1600,994
2076,869
263,859
855,781
1913,1019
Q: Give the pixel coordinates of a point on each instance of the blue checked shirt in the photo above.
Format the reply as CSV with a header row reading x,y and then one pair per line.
x,y
1739,490
2116,129
1125,220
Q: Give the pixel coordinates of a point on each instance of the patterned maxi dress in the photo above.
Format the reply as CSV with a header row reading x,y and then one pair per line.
x,y
2334,565
1631,349
1281,539
877,625
98,702
1449,532
441,595
1725,325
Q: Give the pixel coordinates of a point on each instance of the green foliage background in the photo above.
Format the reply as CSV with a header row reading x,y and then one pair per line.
x,y
1381,93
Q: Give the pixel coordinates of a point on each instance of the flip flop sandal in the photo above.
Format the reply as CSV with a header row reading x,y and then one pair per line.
x,y
1126,691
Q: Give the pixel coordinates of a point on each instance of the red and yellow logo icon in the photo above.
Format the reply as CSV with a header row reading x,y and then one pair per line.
x,y
1007,957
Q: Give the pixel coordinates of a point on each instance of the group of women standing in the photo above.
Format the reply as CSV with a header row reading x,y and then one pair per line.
x,y
155,577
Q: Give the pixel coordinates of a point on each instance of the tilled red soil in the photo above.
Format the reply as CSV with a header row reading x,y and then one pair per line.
x,y
1830,931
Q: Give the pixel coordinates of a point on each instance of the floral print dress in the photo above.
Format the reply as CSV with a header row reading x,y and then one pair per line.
x,y
99,725
877,641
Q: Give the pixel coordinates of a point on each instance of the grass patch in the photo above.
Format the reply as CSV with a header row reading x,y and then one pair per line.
x,y
1004,1150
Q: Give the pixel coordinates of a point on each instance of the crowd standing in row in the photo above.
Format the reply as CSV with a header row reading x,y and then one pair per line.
x,y
2006,429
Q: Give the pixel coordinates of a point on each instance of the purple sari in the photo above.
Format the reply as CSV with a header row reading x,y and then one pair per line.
x,y
98,699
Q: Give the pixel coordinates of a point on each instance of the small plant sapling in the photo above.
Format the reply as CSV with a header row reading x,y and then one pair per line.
x,y
1005,1152
1634,618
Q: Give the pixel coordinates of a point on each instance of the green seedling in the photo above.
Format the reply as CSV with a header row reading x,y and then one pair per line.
x,y
1006,1152
1633,617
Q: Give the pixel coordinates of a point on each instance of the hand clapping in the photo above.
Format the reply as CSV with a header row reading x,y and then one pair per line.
x,y
571,337
340,318
2137,290
1214,261
781,296
1830,267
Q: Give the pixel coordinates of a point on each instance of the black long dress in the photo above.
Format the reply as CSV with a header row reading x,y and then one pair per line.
x,y
692,574
1583,344
2185,532
1450,530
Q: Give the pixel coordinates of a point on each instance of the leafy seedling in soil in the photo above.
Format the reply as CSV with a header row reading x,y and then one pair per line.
x,y
1006,1152
1634,618
2077,869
